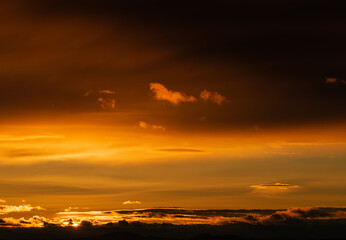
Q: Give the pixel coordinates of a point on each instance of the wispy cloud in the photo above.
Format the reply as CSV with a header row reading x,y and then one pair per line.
x,y
131,202
12,138
274,186
150,126
214,97
107,91
177,150
69,209
175,97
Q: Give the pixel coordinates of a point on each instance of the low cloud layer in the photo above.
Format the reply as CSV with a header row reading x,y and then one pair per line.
x,y
181,216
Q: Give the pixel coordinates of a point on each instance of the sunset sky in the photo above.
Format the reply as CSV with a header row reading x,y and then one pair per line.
x,y
113,105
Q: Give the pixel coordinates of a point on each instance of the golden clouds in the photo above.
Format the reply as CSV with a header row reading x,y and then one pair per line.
x,y
162,93
214,97
5,209
181,216
131,202
274,186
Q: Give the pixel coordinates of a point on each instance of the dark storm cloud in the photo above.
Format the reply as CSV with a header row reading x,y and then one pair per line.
x,y
270,57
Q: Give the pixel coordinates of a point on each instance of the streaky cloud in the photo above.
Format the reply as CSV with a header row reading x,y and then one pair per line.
x,y
274,186
191,150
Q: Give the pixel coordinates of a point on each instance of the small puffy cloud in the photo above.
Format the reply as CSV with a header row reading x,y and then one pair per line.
x,y
274,186
2,201
162,93
150,126
5,209
106,103
131,202
214,97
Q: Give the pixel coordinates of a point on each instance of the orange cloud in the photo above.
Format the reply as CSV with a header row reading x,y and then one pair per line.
x,y
89,92
151,126
107,91
106,103
131,202
330,80
214,97
2,201
162,93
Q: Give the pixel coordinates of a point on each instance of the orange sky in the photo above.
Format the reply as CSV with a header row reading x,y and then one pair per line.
x,y
100,106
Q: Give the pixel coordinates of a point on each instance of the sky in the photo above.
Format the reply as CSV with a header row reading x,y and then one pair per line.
x,y
108,106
